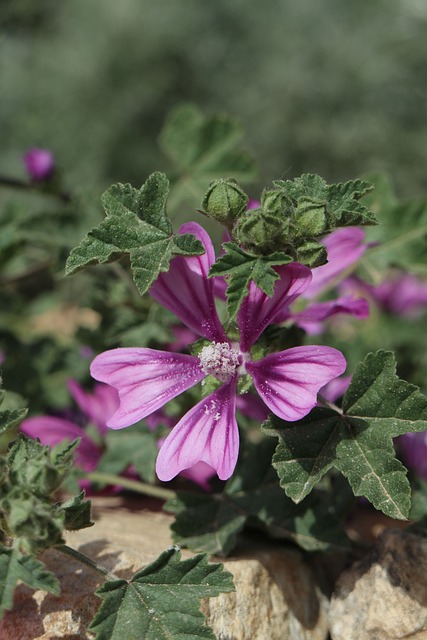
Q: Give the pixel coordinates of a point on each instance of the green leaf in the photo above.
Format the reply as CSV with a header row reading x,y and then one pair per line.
x,y
212,522
77,512
136,224
9,418
161,601
13,567
342,200
358,442
203,148
243,267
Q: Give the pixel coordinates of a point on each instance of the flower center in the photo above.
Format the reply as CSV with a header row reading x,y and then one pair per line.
x,y
220,360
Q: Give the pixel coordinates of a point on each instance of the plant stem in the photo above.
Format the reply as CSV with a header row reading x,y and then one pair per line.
x,y
140,487
329,405
80,557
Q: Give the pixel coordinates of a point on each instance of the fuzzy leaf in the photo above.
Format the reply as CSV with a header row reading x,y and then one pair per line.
x,y
13,567
342,200
77,512
243,267
161,601
343,203
203,148
377,407
9,418
136,224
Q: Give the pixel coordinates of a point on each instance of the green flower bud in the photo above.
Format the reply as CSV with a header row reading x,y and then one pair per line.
x,y
276,200
312,253
225,201
310,218
262,231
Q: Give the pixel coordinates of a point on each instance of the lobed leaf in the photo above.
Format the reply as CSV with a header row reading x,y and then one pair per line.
x,y
243,267
136,224
212,522
15,566
357,441
161,601
203,148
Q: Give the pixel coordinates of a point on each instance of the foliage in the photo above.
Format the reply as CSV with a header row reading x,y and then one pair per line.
x,y
300,491
161,600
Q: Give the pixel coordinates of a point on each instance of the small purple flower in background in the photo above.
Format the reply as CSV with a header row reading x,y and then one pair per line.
x,y
39,163
413,450
345,247
287,381
96,408
402,294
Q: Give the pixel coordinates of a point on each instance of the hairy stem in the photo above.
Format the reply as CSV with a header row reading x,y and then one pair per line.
x,y
88,562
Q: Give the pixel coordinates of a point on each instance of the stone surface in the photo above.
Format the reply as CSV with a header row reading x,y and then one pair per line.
x,y
277,595
384,595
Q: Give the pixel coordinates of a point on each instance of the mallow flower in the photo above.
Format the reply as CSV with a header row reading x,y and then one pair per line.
x,y
39,163
286,381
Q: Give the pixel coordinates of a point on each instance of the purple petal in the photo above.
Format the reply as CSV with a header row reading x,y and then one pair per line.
x,y
288,381
258,310
200,474
145,378
413,449
207,433
52,431
99,405
402,294
345,247
312,317
187,291
336,388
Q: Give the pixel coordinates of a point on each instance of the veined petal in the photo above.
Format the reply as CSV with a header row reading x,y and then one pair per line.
x,y
208,433
258,310
344,246
288,381
187,291
51,430
145,378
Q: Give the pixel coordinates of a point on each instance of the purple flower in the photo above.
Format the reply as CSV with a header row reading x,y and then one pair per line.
x,y
39,163
345,247
287,381
401,294
96,408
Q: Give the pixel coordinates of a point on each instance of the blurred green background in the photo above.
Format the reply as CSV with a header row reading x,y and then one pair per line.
x,y
332,87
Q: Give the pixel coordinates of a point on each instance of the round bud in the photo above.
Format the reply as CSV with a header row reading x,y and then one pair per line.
x,y
225,201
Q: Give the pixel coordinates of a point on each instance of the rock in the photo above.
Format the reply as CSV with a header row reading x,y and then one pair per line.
x,y
277,595
384,595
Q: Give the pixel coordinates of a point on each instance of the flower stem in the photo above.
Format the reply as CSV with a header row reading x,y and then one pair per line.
x,y
329,405
133,485
80,557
